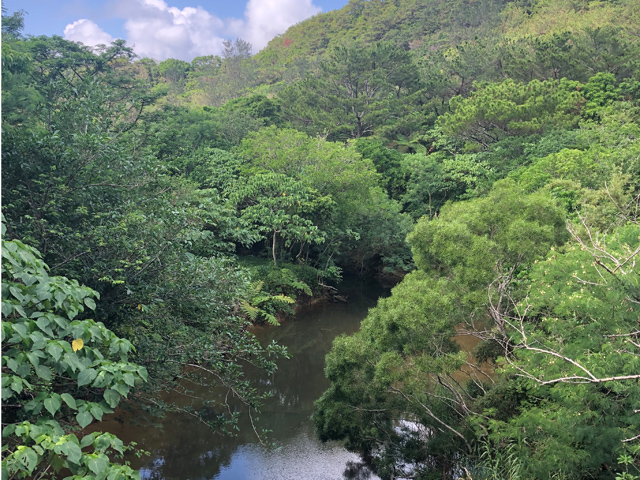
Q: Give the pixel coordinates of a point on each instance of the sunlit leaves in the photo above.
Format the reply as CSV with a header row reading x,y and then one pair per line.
x,y
496,110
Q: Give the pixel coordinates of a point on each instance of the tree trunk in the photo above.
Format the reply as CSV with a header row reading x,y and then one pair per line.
x,y
273,249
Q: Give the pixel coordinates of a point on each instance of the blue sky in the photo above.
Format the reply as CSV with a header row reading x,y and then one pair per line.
x,y
167,28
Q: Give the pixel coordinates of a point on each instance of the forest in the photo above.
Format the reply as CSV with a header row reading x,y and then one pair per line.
x,y
482,156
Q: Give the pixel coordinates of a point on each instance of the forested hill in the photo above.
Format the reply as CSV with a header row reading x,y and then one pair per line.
x,y
483,155
425,26
503,36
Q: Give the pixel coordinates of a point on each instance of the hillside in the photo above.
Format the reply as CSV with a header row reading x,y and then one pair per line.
x,y
426,27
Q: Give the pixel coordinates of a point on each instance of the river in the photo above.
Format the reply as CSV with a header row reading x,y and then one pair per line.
x,y
182,448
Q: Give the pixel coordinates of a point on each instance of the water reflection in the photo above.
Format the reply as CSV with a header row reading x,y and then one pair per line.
x,y
182,448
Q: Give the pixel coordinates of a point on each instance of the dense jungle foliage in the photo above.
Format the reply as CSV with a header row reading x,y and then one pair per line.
x,y
483,155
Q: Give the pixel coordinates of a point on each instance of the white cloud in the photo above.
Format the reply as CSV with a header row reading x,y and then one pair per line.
x,y
87,32
160,31
267,18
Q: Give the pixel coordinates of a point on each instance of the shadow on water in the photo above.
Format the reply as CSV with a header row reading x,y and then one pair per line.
x,y
183,448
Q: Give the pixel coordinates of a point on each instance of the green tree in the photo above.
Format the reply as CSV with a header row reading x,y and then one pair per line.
x,y
276,206
18,89
438,178
173,70
511,108
355,208
575,358
388,163
82,183
359,90
403,367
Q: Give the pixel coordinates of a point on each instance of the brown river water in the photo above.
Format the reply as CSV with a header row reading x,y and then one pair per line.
x,y
182,448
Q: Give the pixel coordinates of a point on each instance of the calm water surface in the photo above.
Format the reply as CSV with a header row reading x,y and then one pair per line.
x,y
182,448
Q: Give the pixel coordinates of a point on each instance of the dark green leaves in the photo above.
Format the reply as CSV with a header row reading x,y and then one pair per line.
x,y
86,377
40,346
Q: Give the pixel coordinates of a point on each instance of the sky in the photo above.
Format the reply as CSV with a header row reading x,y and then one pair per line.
x,y
162,29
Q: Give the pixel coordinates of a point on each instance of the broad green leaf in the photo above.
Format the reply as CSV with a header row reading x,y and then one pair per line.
x,y
112,397
69,400
103,442
28,457
98,465
43,324
117,444
16,384
88,440
121,388
129,379
6,394
43,372
97,412
12,364
84,418
20,329
55,351
33,358
89,302
52,405
86,376
74,454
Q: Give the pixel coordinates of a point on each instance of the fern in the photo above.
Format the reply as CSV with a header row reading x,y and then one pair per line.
x,y
249,310
271,319
259,304
283,299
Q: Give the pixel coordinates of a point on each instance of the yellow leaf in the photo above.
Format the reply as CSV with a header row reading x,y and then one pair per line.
x,y
77,344
284,194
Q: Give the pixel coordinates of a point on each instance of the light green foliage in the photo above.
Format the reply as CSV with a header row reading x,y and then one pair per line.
x,y
354,213
576,352
401,365
289,279
452,71
49,388
600,91
476,240
177,135
496,463
18,93
138,179
537,57
588,168
388,163
416,25
259,304
256,106
576,53
382,374
511,108
329,167
609,149
82,181
173,70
